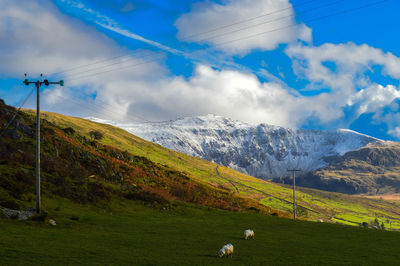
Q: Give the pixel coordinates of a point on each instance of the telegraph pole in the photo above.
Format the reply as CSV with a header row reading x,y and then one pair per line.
x,y
38,83
294,190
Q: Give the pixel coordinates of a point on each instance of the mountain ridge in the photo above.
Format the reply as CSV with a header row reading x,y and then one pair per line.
x,y
264,151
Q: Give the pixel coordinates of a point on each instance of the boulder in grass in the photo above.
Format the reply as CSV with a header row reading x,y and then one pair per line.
x,y
52,222
16,214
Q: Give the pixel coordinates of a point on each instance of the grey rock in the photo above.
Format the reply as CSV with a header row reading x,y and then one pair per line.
x,y
16,214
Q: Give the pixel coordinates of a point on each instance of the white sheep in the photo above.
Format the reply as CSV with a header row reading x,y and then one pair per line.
x,y
226,250
320,220
248,234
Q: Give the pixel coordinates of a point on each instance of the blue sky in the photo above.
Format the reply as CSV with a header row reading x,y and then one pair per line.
x,y
317,64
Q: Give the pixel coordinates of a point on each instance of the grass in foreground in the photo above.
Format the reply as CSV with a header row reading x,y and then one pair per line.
x,y
129,233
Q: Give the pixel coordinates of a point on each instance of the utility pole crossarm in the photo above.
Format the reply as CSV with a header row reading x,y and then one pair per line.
x,y
45,82
38,83
294,190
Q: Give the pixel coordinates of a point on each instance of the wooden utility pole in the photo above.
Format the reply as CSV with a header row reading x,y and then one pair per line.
x,y
38,83
294,190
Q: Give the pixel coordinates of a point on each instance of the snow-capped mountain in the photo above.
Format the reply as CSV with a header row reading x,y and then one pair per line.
x,y
263,151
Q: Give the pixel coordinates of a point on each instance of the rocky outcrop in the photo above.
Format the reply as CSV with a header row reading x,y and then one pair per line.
x,y
16,214
373,169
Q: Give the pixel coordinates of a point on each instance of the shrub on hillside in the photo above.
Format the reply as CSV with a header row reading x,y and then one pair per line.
x,y
137,193
364,224
69,130
96,134
16,185
376,222
98,192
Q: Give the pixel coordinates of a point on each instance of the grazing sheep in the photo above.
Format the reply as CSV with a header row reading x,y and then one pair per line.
x,y
248,234
320,220
226,250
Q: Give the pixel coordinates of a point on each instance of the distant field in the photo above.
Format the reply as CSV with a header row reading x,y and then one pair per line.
x,y
128,233
391,197
312,204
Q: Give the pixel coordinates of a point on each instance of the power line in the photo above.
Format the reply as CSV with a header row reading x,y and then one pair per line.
x,y
251,36
187,37
207,38
116,63
268,21
247,20
17,111
107,71
239,39
96,107
310,20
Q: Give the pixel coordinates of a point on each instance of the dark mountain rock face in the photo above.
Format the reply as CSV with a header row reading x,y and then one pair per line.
x,y
374,169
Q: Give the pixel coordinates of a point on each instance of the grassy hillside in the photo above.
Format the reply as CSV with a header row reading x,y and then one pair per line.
x,y
132,234
313,204
85,171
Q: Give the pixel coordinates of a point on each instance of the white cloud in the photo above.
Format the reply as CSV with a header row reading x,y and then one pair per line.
x,y
207,16
374,97
149,91
395,132
349,58
145,91
390,116
56,43
228,93
36,38
347,70
131,35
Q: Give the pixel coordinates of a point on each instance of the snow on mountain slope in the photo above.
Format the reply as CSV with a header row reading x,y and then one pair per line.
x,y
263,151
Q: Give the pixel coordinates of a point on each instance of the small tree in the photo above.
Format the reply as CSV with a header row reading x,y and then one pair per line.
x,y
376,222
95,134
364,224
69,130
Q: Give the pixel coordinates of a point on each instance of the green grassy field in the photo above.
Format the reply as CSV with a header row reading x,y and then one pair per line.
x,y
104,222
128,233
313,204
